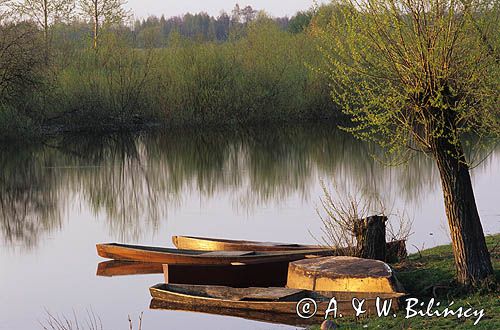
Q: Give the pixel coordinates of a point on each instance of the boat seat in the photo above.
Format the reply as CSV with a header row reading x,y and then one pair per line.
x,y
254,294
274,294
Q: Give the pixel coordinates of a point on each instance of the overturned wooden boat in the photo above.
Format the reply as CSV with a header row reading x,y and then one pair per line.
x,y
112,268
219,244
163,255
271,300
266,274
343,274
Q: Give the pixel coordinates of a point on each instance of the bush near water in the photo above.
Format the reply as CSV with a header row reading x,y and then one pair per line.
x,y
259,74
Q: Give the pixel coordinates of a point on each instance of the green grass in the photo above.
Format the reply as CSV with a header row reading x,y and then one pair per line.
x,y
433,270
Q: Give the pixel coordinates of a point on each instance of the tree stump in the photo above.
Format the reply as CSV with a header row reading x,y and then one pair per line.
x,y
396,251
370,236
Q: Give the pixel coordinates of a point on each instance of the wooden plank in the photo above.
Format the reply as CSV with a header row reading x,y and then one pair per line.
x,y
273,294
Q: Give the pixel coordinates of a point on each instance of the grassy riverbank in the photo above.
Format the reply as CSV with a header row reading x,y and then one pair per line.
x,y
430,273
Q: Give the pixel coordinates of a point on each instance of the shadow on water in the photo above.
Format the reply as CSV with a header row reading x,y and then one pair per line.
x,y
136,179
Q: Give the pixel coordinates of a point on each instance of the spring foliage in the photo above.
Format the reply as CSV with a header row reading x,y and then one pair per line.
x,y
402,70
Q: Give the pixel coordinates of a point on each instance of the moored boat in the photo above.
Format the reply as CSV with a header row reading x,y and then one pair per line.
x,y
271,300
396,250
219,244
163,255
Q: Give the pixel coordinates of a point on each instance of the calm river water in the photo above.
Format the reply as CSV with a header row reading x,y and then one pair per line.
x,y
60,198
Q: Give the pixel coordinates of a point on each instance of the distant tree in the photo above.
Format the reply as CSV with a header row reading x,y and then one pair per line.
x,y
222,25
248,14
103,13
300,21
282,22
236,14
150,37
45,13
419,75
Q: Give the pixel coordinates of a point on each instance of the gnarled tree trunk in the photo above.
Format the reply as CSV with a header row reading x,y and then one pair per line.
x,y
370,236
472,258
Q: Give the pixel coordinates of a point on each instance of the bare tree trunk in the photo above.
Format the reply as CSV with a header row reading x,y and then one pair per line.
x,y
472,258
96,24
370,235
46,30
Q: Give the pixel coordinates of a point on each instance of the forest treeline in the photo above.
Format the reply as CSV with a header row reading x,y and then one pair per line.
x,y
203,27
86,65
67,68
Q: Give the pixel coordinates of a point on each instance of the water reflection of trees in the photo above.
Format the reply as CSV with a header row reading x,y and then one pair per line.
x,y
135,180
30,202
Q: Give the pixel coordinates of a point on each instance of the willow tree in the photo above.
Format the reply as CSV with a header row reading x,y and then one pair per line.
x,y
102,13
420,75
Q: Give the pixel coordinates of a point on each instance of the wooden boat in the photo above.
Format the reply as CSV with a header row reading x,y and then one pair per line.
x,y
344,274
218,244
189,257
123,268
267,274
396,250
271,300
260,316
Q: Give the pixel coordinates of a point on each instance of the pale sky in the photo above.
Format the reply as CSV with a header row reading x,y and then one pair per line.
x,y
144,8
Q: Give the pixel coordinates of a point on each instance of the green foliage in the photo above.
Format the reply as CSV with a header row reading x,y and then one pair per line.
x,y
261,77
409,72
15,125
300,21
104,89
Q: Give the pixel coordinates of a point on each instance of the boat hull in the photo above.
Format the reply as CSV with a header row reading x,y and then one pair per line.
x,y
188,257
245,298
396,250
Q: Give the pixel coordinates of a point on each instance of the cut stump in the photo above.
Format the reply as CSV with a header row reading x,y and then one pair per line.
x,y
348,274
370,235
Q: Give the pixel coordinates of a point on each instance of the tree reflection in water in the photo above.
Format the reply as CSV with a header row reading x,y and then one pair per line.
x,y
136,179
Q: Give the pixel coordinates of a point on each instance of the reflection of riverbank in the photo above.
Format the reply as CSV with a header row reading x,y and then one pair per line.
x,y
135,181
